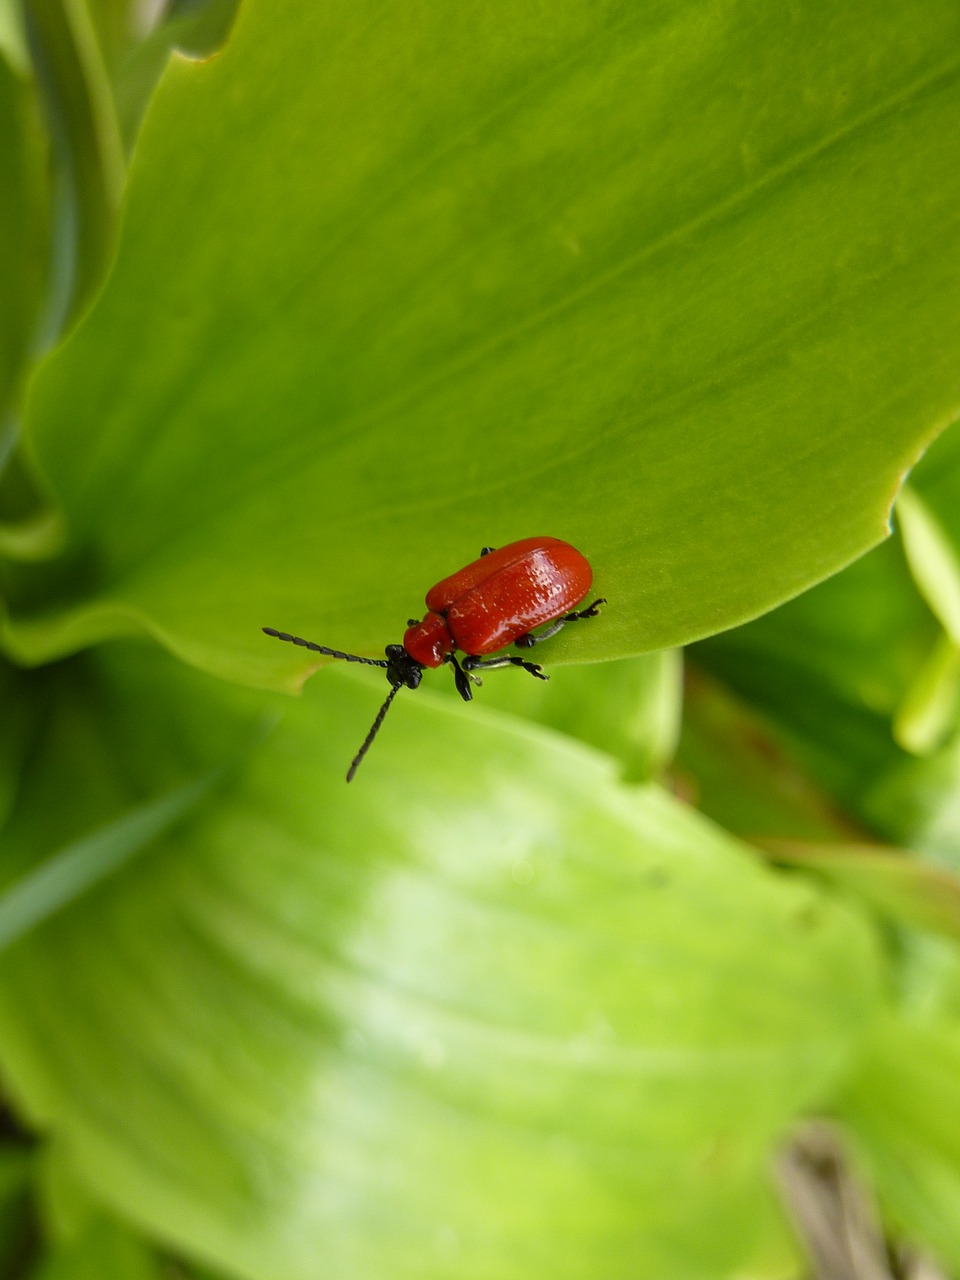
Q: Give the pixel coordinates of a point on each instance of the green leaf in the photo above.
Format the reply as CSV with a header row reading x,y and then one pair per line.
x,y
897,885
484,1013
630,709
70,872
137,43
84,123
13,38
16,1220
654,279
116,738
830,671
734,765
855,676
929,711
933,558
105,1249
914,803
23,233
904,1106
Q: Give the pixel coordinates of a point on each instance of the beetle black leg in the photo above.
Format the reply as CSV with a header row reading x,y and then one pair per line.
x,y
487,664
529,640
462,678
413,622
485,551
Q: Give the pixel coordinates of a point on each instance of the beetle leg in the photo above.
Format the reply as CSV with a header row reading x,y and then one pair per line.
x,y
462,678
485,551
529,640
471,664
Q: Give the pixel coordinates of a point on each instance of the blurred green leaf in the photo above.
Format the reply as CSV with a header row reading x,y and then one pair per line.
x,y
24,213
904,1106
630,709
80,107
484,1013
19,724
933,559
106,1250
137,43
13,38
894,883
930,707
654,279
108,736
849,676
17,1222
916,802
829,670
71,872
733,764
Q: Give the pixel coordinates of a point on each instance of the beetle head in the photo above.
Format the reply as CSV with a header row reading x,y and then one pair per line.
x,y
401,668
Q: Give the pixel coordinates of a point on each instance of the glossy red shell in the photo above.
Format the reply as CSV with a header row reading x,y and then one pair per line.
x,y
490,602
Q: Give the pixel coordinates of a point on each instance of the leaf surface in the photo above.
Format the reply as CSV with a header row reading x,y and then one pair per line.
x,y
656,279
498,1017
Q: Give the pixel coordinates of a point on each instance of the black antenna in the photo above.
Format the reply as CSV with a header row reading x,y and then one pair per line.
x,y
373,732
319,648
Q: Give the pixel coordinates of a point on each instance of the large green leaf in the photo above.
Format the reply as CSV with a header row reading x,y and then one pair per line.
x,y
677,282
485,1013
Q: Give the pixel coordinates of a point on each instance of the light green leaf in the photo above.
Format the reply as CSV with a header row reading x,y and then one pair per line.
x,y
905,888
654,279
484,1013
630,709
929,711
932,557
13,38
931,539
916,802
904,1106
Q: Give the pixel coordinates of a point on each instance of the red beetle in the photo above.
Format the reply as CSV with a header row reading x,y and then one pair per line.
x,y
493,602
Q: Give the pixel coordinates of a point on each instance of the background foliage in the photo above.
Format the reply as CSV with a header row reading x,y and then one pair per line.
x,y
286,334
